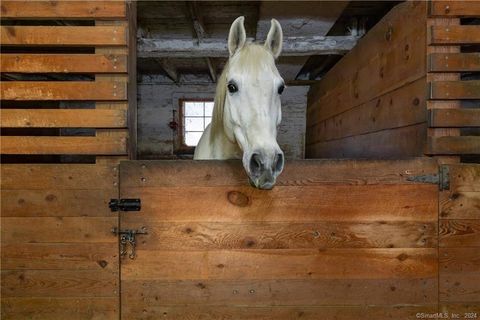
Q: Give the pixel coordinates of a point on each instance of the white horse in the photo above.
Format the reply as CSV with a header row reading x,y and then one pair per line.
x,y
247,107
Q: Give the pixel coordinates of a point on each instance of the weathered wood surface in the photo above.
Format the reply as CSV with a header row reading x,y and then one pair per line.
x,y
63,63
453,145
63,145
48,308
213,48
28,9
455,90
454,8
453,118
454,35
63,36
63,118
63,90
459,233
454,62
296,173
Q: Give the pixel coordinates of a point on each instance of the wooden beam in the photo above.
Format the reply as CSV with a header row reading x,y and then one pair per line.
x,y
211,69
453,118
197,21
216,48
169,69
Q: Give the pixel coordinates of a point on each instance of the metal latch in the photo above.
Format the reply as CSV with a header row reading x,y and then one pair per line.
x,y
125,205
442,178
128,237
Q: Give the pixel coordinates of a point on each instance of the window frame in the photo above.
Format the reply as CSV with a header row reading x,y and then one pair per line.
x,y
182,148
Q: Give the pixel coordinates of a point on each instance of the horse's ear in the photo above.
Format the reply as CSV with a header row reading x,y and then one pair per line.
x,y
275,38
237,36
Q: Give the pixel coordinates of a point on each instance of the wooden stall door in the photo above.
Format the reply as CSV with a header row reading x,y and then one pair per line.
x,y
333,240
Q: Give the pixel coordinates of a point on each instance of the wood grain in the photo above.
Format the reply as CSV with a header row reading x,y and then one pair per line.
x,y
63,90
454,8
462,287
459,233
282,264
460,205
459,260
458,118
451,145
86,36
186,173
277,235
454,35
63,145
64,63
454,62
47,308
307,292
336,203
63,118
453,90
27,9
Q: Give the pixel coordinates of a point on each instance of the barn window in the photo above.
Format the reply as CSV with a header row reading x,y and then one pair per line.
x,y
196,116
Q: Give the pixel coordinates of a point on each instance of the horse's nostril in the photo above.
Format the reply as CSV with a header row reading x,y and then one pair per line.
x,y
278,163
255,164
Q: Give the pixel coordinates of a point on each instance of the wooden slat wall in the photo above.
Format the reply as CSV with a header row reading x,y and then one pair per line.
x,y
59,259
108,37
447,90
376,93
332,238
460,241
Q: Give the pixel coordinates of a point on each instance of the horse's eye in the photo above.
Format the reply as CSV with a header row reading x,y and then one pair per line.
x,y
232,88
280,89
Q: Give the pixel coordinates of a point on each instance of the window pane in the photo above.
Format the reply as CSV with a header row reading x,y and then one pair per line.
x,y
194,124
208,109
192,138
192,109
207,121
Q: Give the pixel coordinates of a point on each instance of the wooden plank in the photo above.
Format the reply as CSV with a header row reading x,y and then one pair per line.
x,y
459,233
387,144
60,256
280,235
132,80
375,66
299,292
460,205
63,90
230,173
454,62
279,312
459,260
453,145
56,203
46,308
292,204
63,145
401,107
45,177
63,118
454,8
59,283
58,230
87,36
282,264
459,287
453,90
465,309
454,35
63,63
454,118
464,177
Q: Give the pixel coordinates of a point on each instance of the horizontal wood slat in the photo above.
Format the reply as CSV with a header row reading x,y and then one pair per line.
x,y
454,90
63,118
459,233
453,118
64,90
63,145
453,145
28,9
454,34
63,36
454,62
455,8
63,63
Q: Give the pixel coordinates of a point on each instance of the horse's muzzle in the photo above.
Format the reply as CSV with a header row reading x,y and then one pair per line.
x,y
263,170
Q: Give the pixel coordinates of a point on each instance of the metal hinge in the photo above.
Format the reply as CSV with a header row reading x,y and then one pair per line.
x,y
125,205
128,237
442,178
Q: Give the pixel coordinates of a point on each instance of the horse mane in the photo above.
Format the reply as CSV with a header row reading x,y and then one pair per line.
x,y
252,57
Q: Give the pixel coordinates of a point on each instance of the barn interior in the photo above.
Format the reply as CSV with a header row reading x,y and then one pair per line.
x,y
174,65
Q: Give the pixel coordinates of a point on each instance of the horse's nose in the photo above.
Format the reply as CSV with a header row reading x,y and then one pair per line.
x,y
264,169
278,163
